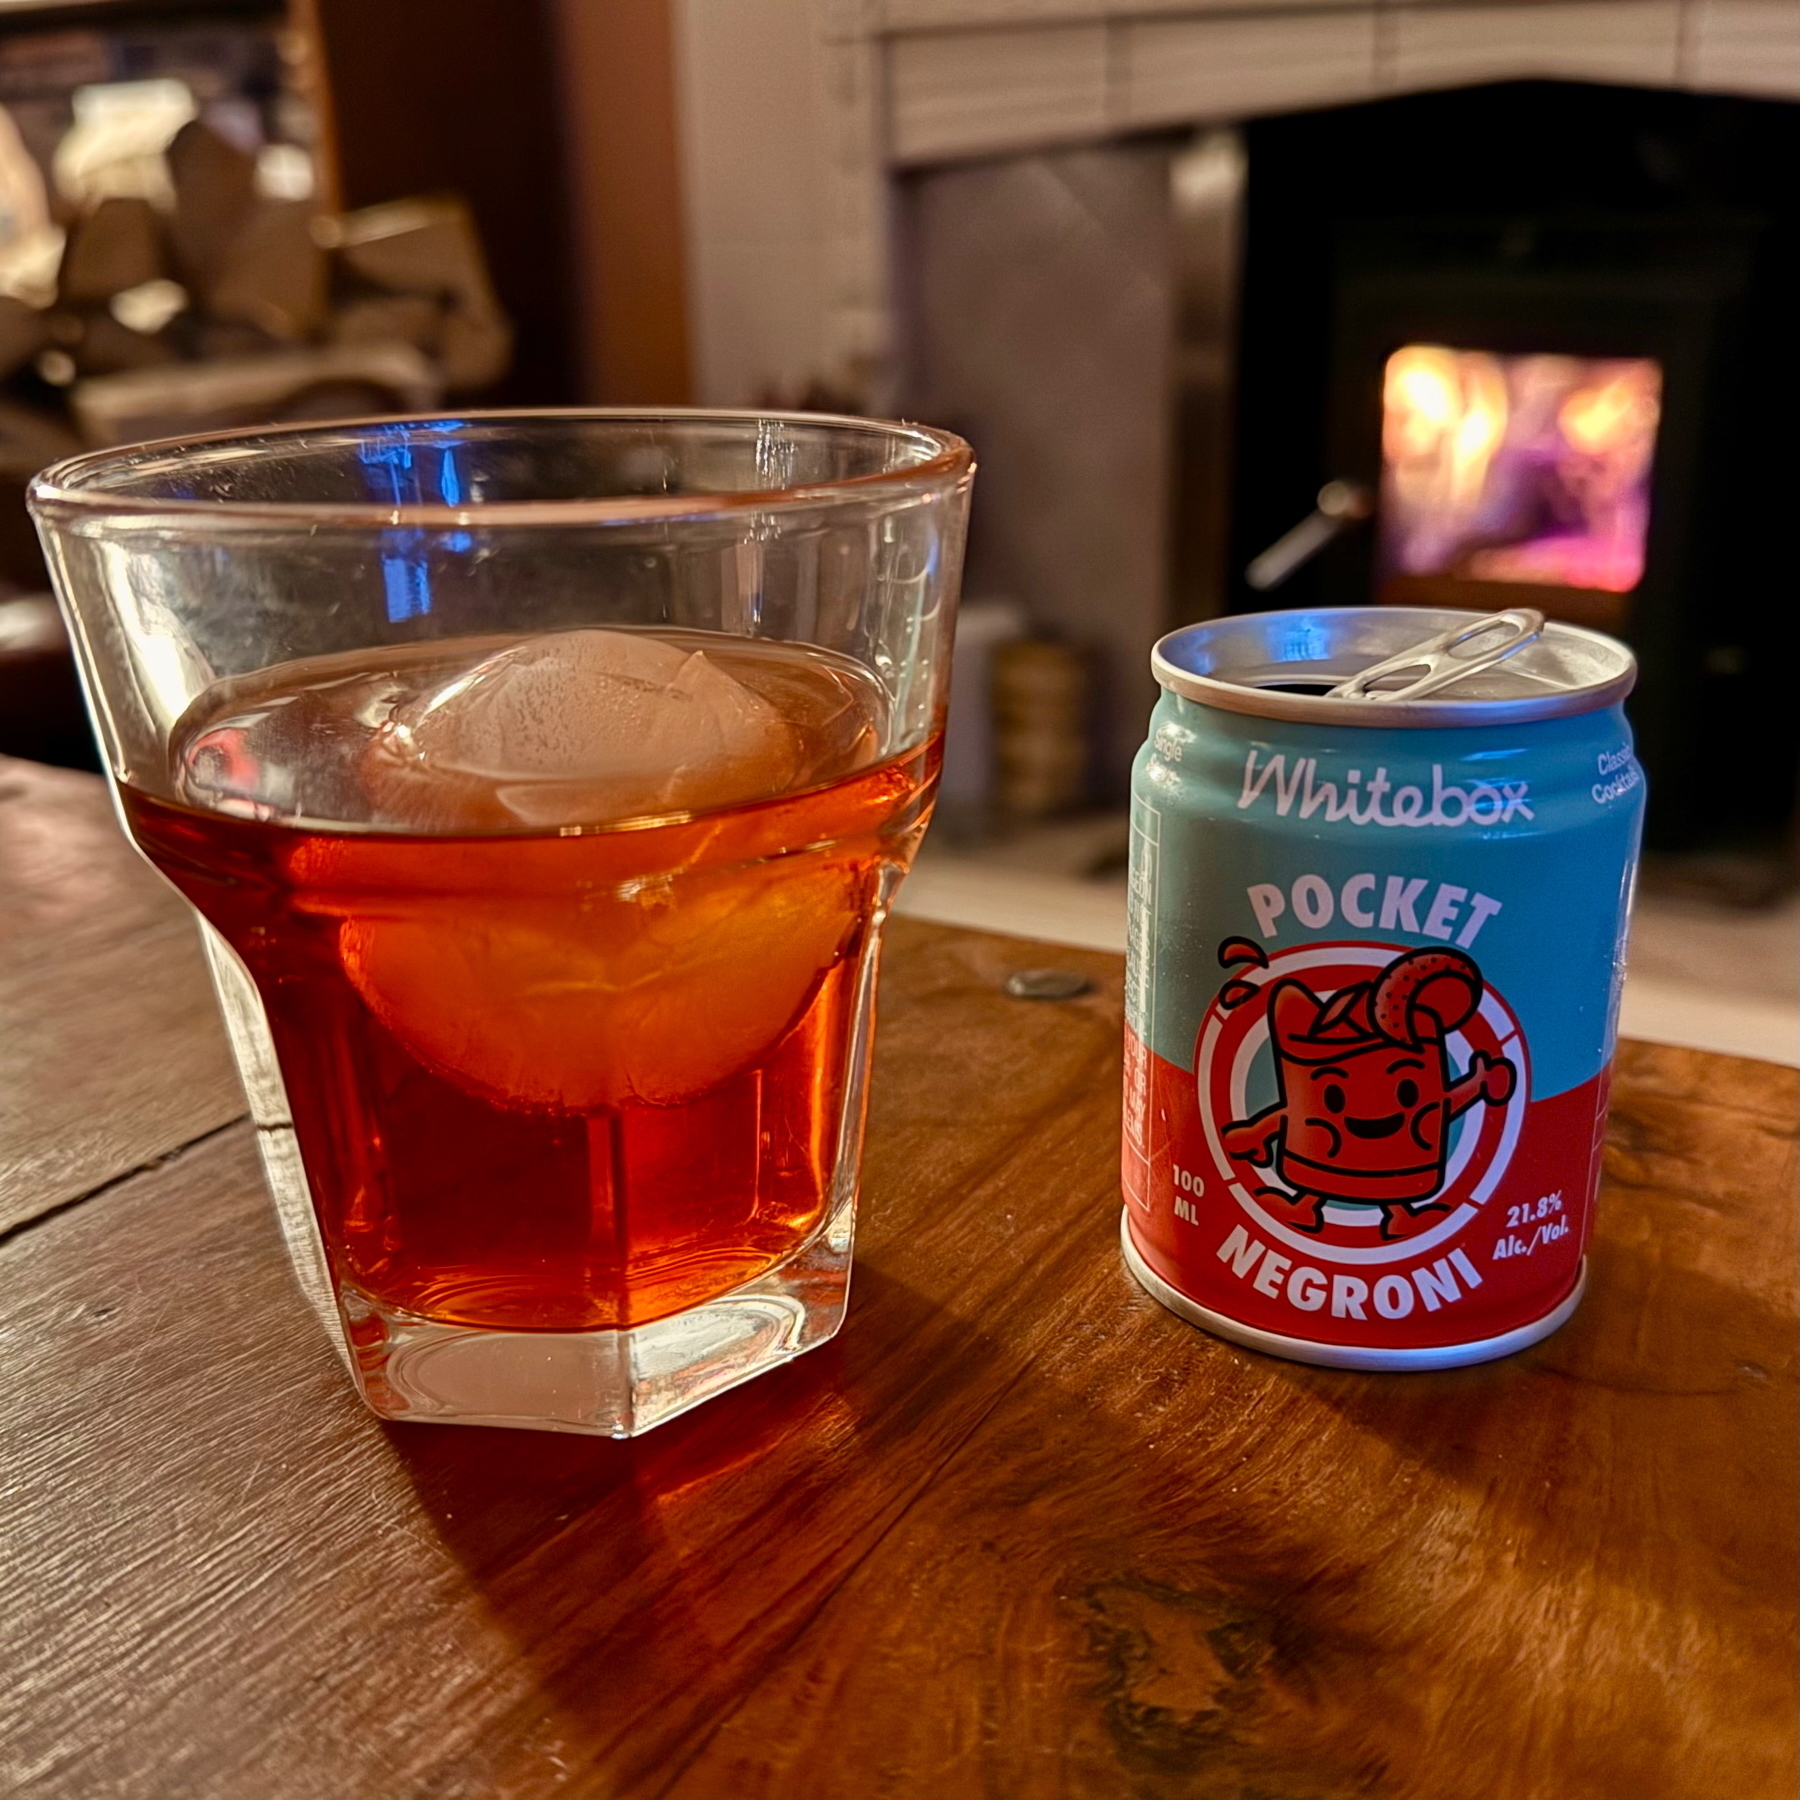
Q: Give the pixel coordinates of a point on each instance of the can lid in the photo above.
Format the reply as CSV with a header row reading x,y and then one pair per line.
x,y
1284,665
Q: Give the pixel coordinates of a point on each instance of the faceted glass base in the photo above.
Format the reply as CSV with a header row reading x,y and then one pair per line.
x,y
606,1383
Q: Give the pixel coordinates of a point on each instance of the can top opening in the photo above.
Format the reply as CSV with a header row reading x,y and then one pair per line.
x,y
1283,665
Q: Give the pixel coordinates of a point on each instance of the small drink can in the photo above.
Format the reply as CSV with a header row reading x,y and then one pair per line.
x,y
1375,956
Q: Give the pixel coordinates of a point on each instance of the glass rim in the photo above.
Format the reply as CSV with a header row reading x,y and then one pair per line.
x,y
65,490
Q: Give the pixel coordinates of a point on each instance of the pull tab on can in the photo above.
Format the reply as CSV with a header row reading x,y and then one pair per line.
x,y
1437,660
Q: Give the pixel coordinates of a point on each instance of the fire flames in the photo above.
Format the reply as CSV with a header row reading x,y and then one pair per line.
x,y
1518,468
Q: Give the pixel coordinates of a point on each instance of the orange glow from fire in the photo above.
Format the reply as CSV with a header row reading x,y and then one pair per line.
x,y
1618,416
1518,468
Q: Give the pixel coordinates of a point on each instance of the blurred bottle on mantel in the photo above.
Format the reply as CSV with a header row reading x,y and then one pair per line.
x,y
1041,698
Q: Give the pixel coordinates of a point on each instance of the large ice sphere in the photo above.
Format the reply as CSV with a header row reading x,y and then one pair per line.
x,y
650,991
657,980
578,727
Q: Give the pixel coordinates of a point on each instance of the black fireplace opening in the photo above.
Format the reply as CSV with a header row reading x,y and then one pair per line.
x,y
1535,342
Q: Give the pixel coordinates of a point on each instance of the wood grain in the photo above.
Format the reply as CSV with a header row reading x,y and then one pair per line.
x,y
1196,1571
111,1051
1018,1531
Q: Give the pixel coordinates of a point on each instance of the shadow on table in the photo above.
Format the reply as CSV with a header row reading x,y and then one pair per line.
x,y
1236,1574
650,1583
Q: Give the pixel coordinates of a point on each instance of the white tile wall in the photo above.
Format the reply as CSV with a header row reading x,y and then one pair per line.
x,y
1593,40
753,134
839,21
762,316
1172,71
960,93
1127,10
793,112
957,15
896,16
1743,47
851,77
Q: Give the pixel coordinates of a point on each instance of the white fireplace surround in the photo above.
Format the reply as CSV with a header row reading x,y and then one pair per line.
x,y
795,113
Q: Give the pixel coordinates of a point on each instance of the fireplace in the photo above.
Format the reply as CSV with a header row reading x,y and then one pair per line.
x,y
1568,203
1541,334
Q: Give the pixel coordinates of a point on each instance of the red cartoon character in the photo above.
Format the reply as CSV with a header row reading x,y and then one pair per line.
x,y
1367,1093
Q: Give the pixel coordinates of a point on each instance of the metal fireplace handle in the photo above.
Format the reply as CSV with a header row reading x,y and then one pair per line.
x,y
1341,505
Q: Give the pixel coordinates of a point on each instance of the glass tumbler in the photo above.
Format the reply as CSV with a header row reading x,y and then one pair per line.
x,y
541,781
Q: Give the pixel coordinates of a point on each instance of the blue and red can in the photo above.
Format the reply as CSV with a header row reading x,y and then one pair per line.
x,y
1376,948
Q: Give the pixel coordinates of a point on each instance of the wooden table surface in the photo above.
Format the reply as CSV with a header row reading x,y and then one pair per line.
x,y
1018,1531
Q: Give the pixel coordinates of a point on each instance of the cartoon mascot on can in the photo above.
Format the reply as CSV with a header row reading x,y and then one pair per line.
x,y
1367,1094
